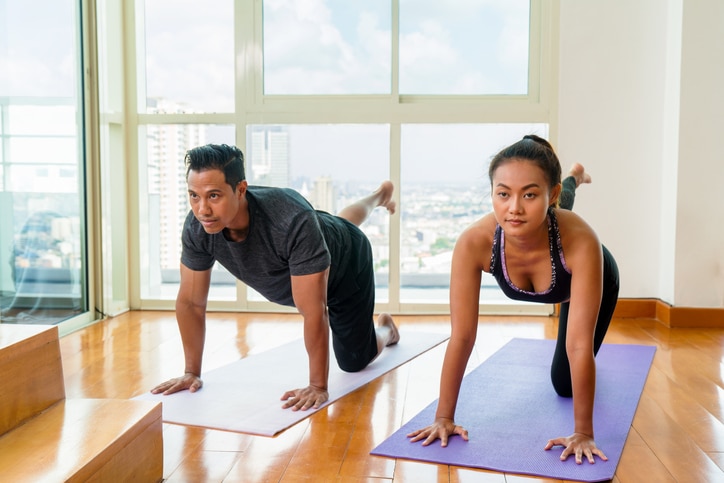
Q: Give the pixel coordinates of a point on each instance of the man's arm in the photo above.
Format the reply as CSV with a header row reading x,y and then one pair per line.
x,y
191,301
310,298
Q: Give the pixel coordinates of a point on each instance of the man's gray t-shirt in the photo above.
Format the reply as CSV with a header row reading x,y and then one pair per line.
x,y
286,237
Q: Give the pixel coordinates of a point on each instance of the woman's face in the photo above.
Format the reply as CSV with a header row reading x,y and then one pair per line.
x,y
521,196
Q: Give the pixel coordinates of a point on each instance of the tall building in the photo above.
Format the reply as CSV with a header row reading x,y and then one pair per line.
x,y
168,195
323,196
268,156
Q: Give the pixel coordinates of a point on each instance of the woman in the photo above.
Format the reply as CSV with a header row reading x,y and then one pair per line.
x,y
541,253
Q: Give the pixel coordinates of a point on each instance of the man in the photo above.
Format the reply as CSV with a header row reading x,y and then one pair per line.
x,y
275,242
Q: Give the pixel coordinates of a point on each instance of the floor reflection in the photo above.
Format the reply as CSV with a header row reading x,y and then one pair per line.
x,y
36,315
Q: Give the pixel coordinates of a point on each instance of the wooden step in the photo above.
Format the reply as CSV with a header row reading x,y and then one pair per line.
x,y
31,372
79,440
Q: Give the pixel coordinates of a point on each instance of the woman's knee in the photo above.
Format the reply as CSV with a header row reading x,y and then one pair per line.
x,y
561,377
562,386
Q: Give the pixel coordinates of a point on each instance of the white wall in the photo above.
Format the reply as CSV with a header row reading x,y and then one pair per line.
x,y
699,260
638,102
670,154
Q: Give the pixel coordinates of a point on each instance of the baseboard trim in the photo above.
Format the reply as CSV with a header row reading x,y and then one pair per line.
x,y
670,316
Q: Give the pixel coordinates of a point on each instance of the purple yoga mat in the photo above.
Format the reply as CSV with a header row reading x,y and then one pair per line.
x,y
510,410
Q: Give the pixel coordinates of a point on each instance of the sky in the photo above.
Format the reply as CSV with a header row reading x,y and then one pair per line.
x,y
310,46
37,48
339,47
446,153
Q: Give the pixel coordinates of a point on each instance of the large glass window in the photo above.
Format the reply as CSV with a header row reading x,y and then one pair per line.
x,y
451,47
189,56
42,176
464,47
186,61
330,97
327,47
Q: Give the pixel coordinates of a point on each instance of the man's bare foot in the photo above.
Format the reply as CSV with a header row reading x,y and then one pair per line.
x,y
385,321
579,174
385,196
358,212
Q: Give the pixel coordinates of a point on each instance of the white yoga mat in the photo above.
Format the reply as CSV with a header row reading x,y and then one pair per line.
x,y
244,396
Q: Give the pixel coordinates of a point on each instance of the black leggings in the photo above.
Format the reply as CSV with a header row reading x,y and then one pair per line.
x,y
560,367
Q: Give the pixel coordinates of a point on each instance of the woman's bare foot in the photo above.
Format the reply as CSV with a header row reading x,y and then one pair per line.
x,y
579,174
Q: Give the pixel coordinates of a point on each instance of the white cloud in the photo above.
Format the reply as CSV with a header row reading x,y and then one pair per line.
x,y
307,52
190,53
463,47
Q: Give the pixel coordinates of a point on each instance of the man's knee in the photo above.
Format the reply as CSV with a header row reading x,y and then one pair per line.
x,y
351,365
355,361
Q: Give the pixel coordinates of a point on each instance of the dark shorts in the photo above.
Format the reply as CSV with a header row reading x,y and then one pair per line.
x,y
351,308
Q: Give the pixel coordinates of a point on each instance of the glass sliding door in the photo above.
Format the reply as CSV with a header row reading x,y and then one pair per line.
x,y
43,275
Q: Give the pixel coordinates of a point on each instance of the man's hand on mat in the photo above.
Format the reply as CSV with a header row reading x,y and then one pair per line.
x,y
309,397
577,444
441,429
189,381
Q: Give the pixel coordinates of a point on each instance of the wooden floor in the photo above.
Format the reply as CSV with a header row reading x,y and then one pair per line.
x,y
677,434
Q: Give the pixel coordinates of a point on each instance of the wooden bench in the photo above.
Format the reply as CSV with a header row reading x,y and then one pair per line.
x,y
46,437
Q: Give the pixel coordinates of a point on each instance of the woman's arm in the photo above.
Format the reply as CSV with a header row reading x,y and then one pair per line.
x,y
584,258
468,263
465,276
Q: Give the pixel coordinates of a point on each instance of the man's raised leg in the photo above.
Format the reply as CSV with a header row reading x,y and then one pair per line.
x,y
360,210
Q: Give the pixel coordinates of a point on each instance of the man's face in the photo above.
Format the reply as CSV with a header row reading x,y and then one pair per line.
x,y
213,202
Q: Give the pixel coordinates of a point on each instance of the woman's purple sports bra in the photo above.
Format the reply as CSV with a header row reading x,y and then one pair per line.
x,y
560,287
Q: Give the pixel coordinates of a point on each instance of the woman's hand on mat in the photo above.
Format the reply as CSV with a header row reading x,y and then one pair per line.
x,y
441,429
309,397
577,444
189,381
